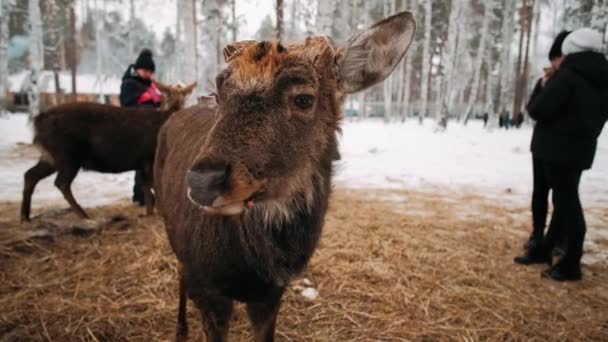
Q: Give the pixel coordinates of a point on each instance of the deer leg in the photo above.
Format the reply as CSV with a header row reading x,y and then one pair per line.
x,y
32,176
216,312
63,182
147,187
263,316
182,321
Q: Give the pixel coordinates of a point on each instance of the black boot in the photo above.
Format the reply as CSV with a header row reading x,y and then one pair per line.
x,y
534,254
562,272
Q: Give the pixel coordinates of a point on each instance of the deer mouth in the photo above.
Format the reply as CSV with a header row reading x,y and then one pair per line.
x,y
221,206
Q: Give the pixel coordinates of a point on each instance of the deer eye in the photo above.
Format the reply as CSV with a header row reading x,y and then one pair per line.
x,y
304,102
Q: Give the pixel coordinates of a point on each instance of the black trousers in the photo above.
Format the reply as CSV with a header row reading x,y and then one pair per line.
x,y
138,188
568,221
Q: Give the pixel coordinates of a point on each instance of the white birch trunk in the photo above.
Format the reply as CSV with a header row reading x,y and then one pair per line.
x,y
490,87
36,56
599,17
388,8
234,28
449,60
131,38
99,50
426,61
4,16
478,63
407,82
186,60
325,12
506,63
401,73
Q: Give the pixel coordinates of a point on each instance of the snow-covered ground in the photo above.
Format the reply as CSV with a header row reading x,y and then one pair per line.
x,y
374,155
493,164
468,158
90,188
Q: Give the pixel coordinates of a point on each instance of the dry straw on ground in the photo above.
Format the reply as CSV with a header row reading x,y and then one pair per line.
x,y
422,267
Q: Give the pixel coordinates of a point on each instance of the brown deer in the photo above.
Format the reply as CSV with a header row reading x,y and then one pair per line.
x,y
97,137
243,187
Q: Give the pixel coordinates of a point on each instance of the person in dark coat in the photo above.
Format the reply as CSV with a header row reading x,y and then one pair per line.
x,y
138,90
540,190
570,108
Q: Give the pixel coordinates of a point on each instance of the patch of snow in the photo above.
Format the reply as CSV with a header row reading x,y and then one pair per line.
x,y
310,293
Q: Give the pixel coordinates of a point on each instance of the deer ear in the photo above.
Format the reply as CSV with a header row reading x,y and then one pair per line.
x,y
371,56
163,87
189,88
233,50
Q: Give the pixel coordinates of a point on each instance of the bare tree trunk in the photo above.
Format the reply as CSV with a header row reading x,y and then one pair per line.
x,y
279,13
4,16
505,60
325,14
195,38
598,18
130,41
526,72
426,61
99,50
521,67
36,55
408,72
235,27
449,61
53,24
388,8
186,41
401,73
72,60
477,65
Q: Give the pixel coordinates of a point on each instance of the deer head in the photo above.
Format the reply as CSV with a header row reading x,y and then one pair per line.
x,y
174,98
278,111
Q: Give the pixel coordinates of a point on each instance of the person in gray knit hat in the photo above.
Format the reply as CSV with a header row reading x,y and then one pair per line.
x,y
570,110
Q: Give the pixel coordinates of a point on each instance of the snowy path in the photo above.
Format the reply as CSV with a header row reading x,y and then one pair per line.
x,y
374,155
463,158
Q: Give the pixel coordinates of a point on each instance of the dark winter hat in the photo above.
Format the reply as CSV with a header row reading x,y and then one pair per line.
x,y
144,61
556,48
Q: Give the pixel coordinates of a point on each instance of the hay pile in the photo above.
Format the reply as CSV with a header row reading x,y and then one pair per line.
x,y
428,268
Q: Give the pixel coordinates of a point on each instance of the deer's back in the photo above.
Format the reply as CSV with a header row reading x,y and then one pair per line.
x,y
99,137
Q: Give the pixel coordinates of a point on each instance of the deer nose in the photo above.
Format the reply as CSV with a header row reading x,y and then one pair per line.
x,y
206,181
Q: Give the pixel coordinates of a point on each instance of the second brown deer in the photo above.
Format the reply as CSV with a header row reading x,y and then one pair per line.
x,y
97,137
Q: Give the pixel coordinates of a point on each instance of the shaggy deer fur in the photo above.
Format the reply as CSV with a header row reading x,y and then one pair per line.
x,y
97,137
243,187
